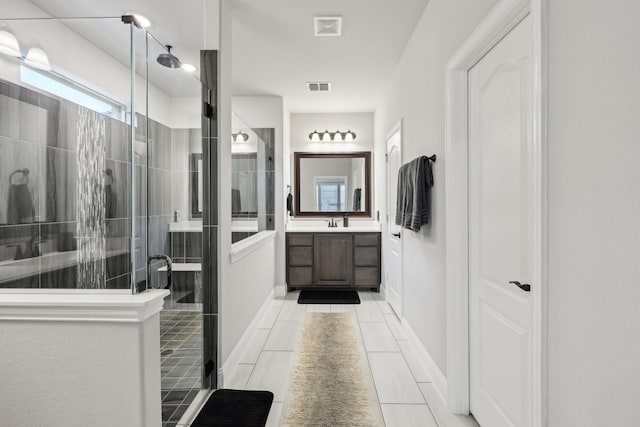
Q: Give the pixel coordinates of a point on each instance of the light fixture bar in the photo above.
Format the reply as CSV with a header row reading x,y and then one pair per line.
x,y
337,136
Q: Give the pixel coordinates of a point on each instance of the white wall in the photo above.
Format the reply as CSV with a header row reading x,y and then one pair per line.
x,y
594,207
302,124
593,203
416,95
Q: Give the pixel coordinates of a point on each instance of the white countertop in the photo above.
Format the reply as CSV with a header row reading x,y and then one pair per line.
x,y
185,226
322,226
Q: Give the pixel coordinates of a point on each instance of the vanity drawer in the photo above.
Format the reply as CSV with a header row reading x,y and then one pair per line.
x,y
300,276
366,276
366,256
366,239
300,239
301,256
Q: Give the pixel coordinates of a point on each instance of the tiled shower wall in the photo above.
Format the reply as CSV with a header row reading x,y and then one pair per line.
x,y
39,133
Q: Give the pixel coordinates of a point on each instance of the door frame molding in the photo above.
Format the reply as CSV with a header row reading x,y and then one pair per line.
x,y
398,127
498,23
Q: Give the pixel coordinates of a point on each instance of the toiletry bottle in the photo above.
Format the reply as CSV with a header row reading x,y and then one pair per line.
x,y
345,220
176,216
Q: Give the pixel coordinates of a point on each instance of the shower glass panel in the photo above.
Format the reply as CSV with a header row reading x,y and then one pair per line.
x,y
65,101
174,137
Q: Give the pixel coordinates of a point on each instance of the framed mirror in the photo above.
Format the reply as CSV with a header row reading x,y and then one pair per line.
x,y
333,184
195,184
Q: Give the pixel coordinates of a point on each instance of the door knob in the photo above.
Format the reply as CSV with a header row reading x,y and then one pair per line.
x,y
524,286
396,235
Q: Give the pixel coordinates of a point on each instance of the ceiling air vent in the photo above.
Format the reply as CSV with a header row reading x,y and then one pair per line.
x,y
319,86
327,26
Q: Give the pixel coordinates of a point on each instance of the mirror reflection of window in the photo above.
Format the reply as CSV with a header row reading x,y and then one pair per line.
x,y
331,194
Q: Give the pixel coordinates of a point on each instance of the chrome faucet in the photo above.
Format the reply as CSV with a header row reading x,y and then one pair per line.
x,y
333,223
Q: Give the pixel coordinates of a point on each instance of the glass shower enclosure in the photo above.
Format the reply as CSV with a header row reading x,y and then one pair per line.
x,y
96,137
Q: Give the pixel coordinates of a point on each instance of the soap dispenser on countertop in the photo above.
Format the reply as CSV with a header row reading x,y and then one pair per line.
x,y
345,220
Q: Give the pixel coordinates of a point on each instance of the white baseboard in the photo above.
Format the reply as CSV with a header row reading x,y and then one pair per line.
x,y
280,291
438,379
230,364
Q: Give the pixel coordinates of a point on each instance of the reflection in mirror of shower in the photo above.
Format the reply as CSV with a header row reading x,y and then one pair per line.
x,y
90,230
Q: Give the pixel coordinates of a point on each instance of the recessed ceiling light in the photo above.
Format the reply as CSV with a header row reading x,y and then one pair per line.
x,y
327,26
141,20
189,68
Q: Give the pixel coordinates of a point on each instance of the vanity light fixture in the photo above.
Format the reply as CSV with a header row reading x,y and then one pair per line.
x,y
337,136
37,58
314,136
9,43
240,137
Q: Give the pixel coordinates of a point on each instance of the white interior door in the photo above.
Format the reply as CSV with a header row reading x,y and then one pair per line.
x,y
500,232
393,252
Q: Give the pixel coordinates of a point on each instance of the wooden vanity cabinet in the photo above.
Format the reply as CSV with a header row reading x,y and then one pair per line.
x,y
333,260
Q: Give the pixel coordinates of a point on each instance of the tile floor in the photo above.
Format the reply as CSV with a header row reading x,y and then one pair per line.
x,y
407,396
180,361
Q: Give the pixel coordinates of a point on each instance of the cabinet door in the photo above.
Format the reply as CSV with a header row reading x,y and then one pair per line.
x,y
333,263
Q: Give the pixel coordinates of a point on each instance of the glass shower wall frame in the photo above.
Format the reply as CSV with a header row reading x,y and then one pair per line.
x,y
66,157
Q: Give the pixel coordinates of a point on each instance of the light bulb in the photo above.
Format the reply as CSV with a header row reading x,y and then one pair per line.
x,y
9,44
349,136
326,136
37,58
337,137
314,136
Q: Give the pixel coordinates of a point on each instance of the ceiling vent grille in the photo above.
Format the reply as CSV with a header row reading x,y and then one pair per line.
x,y
327,26
319,86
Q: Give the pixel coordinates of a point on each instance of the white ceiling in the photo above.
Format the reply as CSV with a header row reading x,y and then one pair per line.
x,y
178,23
276,53
274,49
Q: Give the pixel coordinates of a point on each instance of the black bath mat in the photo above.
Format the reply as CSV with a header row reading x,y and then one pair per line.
x,y
235,408
328,297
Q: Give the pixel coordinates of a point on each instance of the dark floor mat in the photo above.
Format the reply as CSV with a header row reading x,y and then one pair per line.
x,y
328,297
237,408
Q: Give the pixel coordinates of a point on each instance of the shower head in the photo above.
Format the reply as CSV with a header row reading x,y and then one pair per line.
x,y
168,59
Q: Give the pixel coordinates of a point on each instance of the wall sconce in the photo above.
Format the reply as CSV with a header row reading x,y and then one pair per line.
x,y
336,136
240,137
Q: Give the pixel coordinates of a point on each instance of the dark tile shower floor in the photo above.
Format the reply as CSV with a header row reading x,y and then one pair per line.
x,y
181,362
